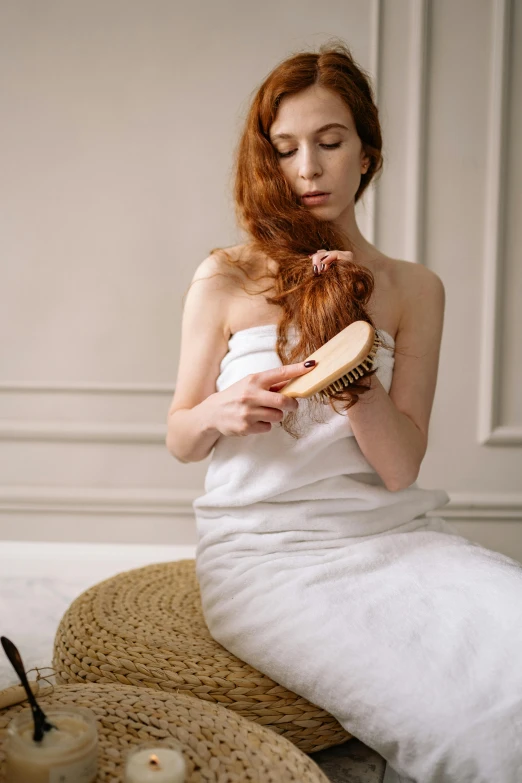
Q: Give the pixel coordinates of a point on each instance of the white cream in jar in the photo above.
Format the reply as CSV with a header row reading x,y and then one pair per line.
x,y
66,754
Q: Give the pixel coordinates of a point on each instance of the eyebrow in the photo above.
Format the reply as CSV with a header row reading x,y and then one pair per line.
x,y
319,130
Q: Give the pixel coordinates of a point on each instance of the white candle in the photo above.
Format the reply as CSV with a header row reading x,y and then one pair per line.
x,y
67,753
155,765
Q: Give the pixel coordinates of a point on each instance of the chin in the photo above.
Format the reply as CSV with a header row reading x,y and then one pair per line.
x,y
320,208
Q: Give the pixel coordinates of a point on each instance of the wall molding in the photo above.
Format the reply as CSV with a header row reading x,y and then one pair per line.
x,y
415,174
69,430
371,195
28,387
375,45
490,432
493,506
82,432
470,506
95,500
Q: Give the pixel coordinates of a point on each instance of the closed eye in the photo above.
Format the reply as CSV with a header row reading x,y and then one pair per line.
x,y
326,146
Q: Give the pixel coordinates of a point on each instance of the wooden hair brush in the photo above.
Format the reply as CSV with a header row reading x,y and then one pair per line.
x,y
341,362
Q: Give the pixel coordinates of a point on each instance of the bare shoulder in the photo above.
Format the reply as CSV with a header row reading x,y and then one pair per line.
x,y
219,266
233,265
204,330
396,285
214,285
410,278
422,299
409,273
250,280
411,292
418,341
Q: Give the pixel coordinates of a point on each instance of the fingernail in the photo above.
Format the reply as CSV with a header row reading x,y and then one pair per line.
x,y
316,271
323,267
310,363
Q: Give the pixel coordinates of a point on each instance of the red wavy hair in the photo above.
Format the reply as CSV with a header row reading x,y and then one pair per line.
x,y
283,229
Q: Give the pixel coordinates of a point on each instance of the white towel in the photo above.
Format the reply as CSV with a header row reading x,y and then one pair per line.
x,y
347,594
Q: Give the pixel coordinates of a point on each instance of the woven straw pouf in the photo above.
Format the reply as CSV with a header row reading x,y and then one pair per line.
x,y
218,745
145,627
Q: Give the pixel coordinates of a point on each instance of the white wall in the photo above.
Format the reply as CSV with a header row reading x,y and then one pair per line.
x,y
119,121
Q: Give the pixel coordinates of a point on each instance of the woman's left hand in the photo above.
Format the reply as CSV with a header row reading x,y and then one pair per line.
x,y
322,259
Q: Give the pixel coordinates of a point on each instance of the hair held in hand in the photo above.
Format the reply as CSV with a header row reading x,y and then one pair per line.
x,y
281,228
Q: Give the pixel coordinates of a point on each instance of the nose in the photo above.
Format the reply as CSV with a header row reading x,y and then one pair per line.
x,y
309,165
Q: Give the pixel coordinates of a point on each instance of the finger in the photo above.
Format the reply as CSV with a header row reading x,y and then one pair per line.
x,y
341,255
332,256
277,386
316,260
268,378
327,259
272,400
259,427
348,254
267,414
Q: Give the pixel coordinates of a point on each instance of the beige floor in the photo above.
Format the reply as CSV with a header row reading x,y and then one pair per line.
x,y
352,762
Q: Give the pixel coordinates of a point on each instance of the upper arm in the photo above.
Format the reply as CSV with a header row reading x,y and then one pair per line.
x,y
204,338
417,346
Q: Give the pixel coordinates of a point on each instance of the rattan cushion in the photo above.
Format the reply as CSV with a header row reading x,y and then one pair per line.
x,y
145,627
218,745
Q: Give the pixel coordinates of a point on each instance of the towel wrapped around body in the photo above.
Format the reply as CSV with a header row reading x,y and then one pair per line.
x,y
353,597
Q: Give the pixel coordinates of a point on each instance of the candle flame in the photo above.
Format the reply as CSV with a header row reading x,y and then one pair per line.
x,y
154,761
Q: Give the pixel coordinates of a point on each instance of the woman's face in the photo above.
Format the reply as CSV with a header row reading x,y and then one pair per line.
x,y
329,160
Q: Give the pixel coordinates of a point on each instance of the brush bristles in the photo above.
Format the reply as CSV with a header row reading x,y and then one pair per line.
x,y
352,375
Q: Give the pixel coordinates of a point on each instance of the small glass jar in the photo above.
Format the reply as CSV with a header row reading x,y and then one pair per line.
x,y
157,761
66,754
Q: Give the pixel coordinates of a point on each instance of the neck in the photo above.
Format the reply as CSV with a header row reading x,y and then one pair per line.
x,y
364,252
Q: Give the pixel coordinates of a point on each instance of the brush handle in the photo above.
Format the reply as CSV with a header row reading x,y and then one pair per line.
x,y
342,353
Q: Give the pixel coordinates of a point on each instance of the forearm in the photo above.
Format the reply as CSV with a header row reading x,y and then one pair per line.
x,y
391,442
191,433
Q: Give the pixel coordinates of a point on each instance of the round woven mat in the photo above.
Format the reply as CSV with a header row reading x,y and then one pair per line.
x,y
145,627
218,744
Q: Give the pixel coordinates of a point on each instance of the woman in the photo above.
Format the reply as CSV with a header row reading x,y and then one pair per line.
x,y
316,561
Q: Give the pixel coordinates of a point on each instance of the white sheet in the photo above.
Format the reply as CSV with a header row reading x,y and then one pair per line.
x,y
349,595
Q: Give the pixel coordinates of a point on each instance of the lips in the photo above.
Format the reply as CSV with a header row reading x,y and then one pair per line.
x,y
315,199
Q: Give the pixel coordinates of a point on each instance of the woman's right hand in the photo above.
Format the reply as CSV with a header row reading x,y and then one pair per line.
x,y
250,406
